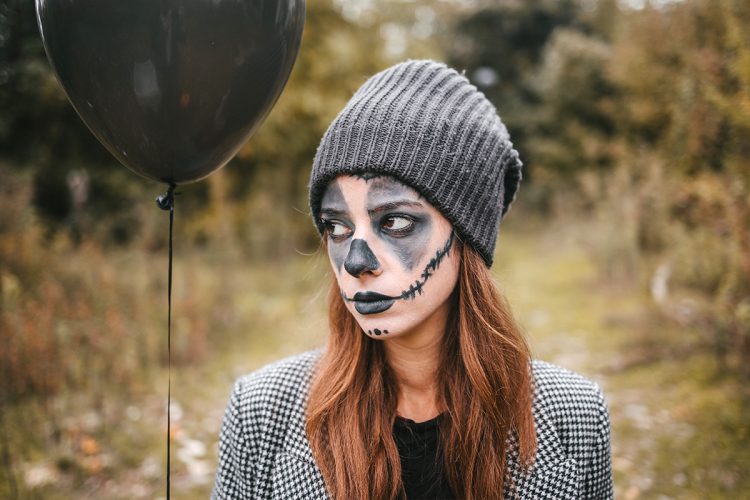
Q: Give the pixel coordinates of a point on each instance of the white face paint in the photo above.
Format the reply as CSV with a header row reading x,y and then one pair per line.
x,y
394,255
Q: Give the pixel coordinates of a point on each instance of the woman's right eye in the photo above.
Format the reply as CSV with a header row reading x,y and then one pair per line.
x,y
336,230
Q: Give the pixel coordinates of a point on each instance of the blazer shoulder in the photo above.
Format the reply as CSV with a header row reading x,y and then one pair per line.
x,y
573,447
571,410
282,378
262,408
558,389
570,403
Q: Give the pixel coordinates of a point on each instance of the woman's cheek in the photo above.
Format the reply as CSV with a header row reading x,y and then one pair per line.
x,y
337,254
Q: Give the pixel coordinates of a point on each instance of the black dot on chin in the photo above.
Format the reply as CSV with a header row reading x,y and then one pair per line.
x,y
385,332
377,332
369,332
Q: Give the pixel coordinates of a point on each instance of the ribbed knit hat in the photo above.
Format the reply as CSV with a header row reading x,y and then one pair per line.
x,y
426,125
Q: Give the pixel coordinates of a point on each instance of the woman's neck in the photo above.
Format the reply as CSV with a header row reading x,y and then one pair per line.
x,y
414,360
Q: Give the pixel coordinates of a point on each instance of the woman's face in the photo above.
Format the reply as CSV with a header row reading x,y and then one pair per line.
x,y
394,255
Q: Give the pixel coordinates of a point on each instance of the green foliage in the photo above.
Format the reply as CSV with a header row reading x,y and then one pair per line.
x,y
510,37
684,71
640,119
548,59
83,345
575,129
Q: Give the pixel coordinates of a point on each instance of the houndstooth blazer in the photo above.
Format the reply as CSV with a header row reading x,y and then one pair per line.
x,y
264,452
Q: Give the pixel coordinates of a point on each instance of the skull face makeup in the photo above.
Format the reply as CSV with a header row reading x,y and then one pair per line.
x,y
393,253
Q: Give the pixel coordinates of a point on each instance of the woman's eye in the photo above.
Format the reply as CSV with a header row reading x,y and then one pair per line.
x,y
397,224
336,229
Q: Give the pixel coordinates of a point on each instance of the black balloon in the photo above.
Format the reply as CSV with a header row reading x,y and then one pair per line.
x,y
172,88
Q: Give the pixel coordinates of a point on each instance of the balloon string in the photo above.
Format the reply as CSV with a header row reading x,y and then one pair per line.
x,y
166,202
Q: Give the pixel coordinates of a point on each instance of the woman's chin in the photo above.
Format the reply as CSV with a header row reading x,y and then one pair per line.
x,y
378,333
377,326
395,321
385,329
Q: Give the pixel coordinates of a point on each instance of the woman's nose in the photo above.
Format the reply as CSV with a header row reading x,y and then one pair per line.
x,y
360,259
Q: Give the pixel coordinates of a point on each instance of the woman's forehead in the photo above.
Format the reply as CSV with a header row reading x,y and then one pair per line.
x,y
367,189
386,186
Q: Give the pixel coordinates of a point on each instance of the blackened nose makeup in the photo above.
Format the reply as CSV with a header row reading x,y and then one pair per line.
x,y
360,258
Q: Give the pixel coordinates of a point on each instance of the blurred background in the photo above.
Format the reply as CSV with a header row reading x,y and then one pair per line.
x,y
626,256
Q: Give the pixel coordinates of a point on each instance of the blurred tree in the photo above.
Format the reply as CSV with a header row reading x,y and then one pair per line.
x,y
684,70
41,131
576,126
602,17
653,100
501,46
731,100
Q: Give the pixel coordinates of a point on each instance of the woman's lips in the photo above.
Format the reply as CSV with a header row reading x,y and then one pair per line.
x,y
373,307
371,302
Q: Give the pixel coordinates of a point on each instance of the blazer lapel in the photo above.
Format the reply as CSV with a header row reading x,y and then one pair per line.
x,y
296,475
553,474
294,478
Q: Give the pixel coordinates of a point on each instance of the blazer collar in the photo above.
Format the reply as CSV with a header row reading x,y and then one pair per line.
x,y
295,441
552,475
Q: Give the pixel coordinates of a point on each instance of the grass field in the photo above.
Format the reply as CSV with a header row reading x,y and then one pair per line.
x,y
680,426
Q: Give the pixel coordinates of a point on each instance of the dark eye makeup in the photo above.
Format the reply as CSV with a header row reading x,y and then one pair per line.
x,y
335,229
397,225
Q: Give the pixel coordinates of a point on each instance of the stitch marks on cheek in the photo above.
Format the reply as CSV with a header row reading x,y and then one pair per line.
x,y
432,266
373,303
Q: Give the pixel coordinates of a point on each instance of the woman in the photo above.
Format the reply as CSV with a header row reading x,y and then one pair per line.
x,y
426,388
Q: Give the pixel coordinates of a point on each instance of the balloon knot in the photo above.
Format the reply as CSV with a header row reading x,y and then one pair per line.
x,y
166,201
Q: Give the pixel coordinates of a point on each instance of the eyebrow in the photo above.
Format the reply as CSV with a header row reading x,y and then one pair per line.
x,y
394,204
333,211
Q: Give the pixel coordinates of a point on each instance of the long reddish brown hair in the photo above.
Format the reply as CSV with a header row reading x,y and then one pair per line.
x,y
485,389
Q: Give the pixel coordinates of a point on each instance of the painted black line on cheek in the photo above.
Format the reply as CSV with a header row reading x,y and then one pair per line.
x,y
416,287
333,198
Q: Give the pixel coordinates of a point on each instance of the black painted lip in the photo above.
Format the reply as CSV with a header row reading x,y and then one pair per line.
x,y
371,297
371,302
373,307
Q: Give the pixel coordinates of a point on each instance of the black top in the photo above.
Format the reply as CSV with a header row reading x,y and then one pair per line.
x,y
421,461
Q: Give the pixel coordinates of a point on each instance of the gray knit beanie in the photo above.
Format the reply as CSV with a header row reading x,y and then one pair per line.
x,y
426,125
